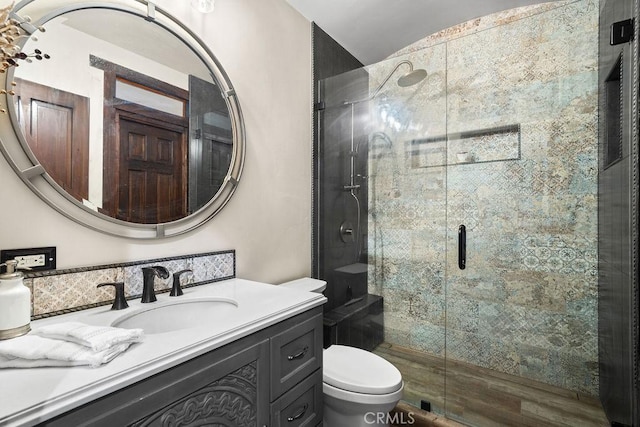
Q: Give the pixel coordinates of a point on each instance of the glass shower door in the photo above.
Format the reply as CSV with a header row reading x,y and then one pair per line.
x,y
522,201
407,220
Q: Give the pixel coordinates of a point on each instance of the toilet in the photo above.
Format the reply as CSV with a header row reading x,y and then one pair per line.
x,y
359,387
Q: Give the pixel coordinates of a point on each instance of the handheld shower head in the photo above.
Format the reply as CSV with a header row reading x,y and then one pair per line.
x,y
375,137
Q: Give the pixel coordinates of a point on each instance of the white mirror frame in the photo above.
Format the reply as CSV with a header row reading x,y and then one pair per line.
x,y
19,156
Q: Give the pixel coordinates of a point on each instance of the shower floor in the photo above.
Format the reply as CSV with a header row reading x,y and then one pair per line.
x,y
486,398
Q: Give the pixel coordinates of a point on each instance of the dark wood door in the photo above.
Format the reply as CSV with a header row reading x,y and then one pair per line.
x,y
211,144
55,124
151,173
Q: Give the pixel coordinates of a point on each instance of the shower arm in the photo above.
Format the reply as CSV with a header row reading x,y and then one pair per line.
x,y
384,82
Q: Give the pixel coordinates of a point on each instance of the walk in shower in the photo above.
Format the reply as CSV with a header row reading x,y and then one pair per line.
x,y
458,212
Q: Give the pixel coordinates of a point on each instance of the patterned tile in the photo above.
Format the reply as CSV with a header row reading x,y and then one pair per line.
x,y
527,303
213,267
29,284
76,288
481,24
53,293
429,338
134,278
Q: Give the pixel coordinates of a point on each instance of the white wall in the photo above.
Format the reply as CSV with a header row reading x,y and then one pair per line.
x,y
265,48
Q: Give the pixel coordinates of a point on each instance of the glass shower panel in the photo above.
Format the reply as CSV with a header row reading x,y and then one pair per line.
x,y
382,204
342,187
407,219
522,179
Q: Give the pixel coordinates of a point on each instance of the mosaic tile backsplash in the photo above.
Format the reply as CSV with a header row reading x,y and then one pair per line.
x,y
58,291
527,302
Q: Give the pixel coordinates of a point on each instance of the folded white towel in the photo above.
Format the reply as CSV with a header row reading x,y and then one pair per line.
x,y
98,338
30,351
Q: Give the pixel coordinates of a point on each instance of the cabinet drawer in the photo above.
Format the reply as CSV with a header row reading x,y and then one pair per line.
x,y
300,406
295,353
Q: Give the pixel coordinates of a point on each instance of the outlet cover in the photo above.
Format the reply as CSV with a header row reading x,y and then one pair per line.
x,y
36,259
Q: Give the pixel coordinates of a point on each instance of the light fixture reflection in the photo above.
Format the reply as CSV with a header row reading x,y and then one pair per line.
x,y
204,6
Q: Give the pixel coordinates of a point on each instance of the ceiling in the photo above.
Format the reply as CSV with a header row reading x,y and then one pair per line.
x,y
374,29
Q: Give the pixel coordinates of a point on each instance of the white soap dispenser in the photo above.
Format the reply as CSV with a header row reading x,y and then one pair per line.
x,y
15,303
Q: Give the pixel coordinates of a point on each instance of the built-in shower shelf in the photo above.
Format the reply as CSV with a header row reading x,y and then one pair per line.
x,y
477,146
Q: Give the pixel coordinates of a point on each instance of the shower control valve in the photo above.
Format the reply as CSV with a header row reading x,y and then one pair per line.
x,y
346,232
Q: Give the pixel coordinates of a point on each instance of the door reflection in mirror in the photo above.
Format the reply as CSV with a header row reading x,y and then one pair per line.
x,y
122,127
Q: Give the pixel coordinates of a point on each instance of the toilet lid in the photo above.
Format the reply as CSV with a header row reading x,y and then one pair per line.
x,y
306,284
359,371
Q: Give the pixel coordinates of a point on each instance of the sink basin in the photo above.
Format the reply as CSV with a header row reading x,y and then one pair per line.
x,y
172,316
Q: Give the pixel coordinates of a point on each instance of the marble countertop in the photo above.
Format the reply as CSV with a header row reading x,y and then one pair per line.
x,y
30,396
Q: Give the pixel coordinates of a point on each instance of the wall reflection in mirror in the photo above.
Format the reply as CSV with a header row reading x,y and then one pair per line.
x,y
124,117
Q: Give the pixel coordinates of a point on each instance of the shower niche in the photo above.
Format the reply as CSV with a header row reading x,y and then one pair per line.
x,y
474,146
612,123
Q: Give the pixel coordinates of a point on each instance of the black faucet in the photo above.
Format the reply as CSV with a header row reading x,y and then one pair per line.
x,y
120,301
149,273
176,290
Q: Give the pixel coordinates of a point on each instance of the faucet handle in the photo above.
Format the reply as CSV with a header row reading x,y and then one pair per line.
x,y
120,302
176,290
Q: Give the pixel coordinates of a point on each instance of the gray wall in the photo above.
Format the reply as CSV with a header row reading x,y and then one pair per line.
x,y
332,144
617,210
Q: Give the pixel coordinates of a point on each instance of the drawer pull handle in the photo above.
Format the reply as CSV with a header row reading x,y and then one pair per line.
x,y
299,414
299,354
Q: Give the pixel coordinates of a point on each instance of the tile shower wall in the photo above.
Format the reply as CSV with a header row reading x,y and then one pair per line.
x,y
58,291
527,302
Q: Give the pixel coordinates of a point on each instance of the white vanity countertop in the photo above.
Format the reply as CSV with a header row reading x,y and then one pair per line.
x,y
30,396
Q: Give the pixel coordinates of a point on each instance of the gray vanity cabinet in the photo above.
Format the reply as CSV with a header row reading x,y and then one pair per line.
x,y
296,377
270,378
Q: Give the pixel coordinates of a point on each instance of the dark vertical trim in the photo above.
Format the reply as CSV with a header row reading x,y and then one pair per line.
x,y
315,177
635,399
619,229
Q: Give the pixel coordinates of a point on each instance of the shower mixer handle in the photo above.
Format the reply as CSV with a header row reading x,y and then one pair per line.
x,y
346,232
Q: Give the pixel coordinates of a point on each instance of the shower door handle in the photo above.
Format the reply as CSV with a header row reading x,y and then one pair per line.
x,y
462,247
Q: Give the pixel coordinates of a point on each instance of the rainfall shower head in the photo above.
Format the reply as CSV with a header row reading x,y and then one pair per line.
x,y
410,78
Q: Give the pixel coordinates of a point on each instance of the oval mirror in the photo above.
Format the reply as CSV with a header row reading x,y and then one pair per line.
x,y
123,119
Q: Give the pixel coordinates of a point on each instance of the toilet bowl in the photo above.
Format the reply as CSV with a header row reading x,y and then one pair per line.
x,y
359,387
